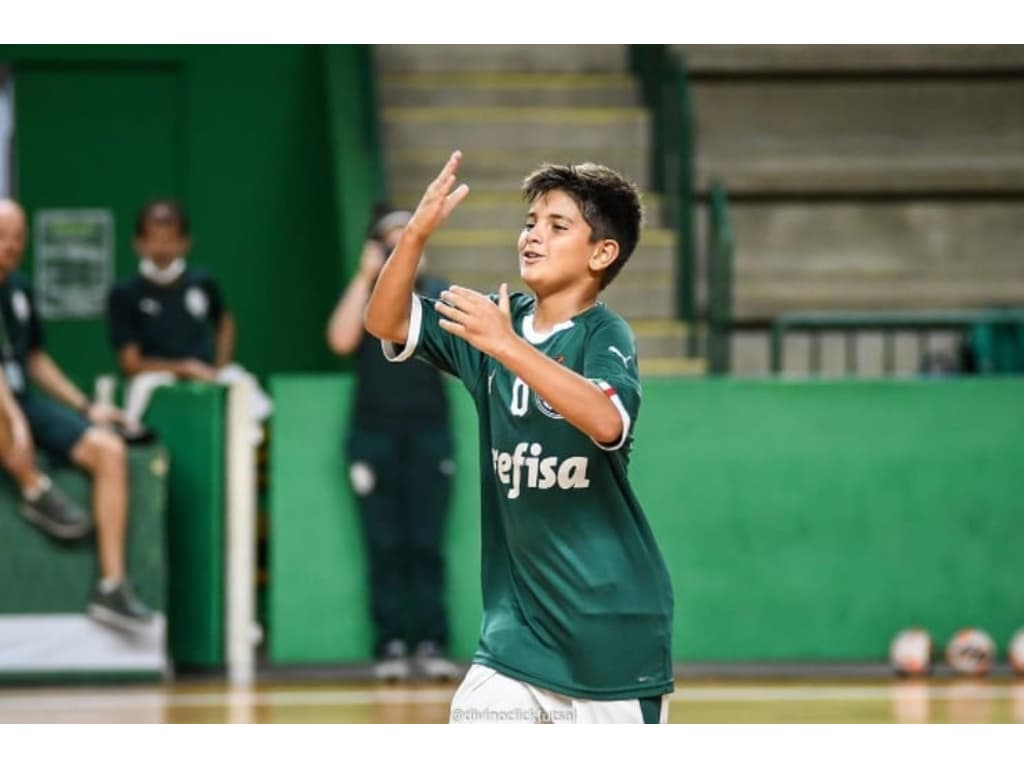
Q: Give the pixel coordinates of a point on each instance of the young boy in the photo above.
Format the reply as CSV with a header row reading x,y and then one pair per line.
x,y
169,321
577,599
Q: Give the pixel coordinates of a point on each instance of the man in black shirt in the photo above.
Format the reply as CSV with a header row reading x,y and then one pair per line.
x,y
66,425
400,466
169,322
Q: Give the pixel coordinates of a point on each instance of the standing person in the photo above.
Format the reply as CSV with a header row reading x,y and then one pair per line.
x,y
399,452
70,428
170,322
577,614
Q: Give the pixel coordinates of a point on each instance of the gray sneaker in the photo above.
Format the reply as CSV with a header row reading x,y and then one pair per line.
x,y
56,514
432,664
392,662
119,608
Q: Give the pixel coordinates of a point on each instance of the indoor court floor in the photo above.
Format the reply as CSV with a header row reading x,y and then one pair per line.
x,y
694,701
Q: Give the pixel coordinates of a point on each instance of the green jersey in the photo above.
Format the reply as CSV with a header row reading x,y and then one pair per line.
x,y
576,595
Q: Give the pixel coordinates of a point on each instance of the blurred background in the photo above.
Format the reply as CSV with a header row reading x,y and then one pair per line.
x,y
828,300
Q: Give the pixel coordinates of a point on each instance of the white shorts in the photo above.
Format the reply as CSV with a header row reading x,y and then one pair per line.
x,y
488,697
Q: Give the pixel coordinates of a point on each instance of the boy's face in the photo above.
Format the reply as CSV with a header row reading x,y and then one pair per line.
x,y
12,237
162,243
555,247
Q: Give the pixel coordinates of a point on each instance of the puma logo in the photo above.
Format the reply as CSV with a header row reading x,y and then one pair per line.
x,y
625,360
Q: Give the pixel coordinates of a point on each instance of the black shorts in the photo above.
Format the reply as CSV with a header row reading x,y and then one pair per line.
x,y
55,428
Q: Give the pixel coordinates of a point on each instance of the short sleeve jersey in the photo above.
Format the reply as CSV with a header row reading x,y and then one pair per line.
x,y
20,330
576,595
174,322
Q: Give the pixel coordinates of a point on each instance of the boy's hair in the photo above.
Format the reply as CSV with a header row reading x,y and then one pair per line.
x,y
609,202
162,211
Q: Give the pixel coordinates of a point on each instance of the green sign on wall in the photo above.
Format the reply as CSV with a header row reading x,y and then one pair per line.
x,y
74,261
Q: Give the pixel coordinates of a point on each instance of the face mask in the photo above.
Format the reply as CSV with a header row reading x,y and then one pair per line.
x,y
165,275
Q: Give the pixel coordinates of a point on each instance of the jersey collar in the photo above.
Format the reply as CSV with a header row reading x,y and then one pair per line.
x,y
536,337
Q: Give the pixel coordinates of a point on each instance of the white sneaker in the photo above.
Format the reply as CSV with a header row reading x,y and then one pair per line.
x,y
393,663
431,663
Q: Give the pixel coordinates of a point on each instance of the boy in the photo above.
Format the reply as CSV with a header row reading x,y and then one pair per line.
x,y
70,428
577,599
169,321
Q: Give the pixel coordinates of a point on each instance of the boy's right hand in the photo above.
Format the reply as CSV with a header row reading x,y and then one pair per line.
x,y
438,201
197,370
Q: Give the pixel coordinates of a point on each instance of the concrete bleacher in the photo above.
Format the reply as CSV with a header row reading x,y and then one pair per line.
x,y
509,108
865,178
860,177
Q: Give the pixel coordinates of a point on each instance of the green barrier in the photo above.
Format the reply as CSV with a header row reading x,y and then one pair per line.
x,y
40,575
189,418
46,584
318,601
801,521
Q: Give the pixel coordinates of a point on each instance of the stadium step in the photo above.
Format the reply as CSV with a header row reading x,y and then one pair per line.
x,y
511,108
448,59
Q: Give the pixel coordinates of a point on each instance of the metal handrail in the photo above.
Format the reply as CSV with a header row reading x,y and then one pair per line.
x,y
924,322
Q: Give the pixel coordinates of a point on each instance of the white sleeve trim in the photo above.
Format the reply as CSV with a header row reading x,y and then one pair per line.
x,y
627,423
397,353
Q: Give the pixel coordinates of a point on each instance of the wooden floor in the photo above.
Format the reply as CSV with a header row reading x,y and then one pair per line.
x,y
882,701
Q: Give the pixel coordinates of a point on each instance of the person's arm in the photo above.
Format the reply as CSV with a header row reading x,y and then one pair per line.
x,y
389,310
472,316
132,363
345,327
45,372
225,342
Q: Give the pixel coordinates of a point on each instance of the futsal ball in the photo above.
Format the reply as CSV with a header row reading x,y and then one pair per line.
x,y
910,652
971,652
1017,652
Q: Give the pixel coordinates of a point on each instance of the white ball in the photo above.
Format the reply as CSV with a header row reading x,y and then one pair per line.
x,y
910,652
971,652
1016,652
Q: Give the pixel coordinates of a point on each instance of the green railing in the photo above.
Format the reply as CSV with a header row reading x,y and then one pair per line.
x,y
665,91
720,250
996,336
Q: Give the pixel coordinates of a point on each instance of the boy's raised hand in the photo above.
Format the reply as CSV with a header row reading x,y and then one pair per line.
x,y
472,316
439,200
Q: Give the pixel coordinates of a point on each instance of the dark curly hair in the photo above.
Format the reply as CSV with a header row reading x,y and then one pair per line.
x,y
610,204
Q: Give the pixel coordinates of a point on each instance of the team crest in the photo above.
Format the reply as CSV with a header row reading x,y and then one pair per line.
x,y
196,303
19,303
543,405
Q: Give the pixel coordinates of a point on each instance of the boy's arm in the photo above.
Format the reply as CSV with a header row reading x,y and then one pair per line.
x,y
473,317
388,312
224,347
132,363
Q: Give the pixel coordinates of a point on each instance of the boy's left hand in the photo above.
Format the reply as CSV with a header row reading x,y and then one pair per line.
x,y
472,316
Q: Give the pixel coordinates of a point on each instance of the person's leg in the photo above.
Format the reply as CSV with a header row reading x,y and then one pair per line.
x,y
42,503
102,454
429,467
139,390
374,479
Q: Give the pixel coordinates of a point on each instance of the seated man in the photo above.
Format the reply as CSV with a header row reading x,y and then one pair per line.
x,y
169,322
69,428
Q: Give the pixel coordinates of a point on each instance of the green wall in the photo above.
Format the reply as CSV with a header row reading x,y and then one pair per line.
x,y
800,520
240,133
